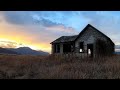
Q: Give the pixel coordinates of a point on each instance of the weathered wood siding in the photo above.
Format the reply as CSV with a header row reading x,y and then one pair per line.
x,y
89,37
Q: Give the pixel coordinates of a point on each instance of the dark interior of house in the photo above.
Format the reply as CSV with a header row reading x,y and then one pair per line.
x,y
66,48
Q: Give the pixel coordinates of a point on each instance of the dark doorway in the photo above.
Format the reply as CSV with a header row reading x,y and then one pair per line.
x,y
90,49
66,48
81,46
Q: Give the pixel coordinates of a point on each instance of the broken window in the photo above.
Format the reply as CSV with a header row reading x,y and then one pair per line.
x,y
81,46
57,48
66,48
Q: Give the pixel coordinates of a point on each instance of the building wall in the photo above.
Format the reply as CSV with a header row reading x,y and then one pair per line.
x,y
89,37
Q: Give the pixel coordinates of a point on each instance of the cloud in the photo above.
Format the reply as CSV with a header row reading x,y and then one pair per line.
x,y
18,17
39,19
46,18
105,21
27,18
10,44
39,28
37,35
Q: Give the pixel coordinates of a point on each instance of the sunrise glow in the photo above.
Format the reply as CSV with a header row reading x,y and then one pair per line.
x,y
38,29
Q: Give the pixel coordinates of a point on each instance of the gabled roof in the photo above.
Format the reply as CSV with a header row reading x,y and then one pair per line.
x,y
75,37
94,29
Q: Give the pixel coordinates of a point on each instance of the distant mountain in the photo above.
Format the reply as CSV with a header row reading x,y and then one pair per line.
x,y
117,52
117,46
117,49
28,51
6,51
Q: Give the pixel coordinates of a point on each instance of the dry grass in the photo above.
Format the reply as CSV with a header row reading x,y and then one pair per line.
x,y
51,67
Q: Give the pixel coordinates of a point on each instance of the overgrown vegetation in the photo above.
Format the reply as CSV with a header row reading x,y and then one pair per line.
x,y
58,67
104,48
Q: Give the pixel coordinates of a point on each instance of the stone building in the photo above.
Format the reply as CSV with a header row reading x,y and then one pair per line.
x,y
89,41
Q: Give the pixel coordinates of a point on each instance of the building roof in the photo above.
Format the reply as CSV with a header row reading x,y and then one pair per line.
x,y
65,39
75,37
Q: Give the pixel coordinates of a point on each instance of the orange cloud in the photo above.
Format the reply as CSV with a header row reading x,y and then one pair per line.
x,y
34,36
62,28
18,34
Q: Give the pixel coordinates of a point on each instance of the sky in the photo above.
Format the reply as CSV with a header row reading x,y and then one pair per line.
x,y
37,29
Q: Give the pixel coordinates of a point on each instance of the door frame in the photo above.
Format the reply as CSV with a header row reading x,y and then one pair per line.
x,y
91,47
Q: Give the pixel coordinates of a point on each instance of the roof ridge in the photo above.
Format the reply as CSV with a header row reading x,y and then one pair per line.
x,y
89,25
75,37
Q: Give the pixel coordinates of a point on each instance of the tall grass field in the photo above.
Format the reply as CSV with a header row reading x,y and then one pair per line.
x,y
58,67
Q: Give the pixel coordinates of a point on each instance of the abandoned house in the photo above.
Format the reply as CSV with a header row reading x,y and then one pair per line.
x,y
89,41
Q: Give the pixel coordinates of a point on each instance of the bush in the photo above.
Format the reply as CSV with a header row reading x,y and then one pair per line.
x,y
103,48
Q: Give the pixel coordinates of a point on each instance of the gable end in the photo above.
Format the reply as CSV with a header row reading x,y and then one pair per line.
x,y
94,29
